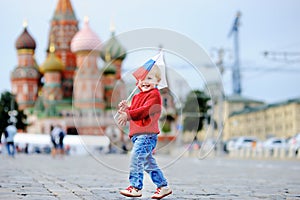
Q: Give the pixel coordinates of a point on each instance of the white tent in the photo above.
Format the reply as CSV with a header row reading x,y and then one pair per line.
x,y
77,144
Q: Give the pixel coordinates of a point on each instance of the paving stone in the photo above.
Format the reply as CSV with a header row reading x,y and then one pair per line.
x,y
38,177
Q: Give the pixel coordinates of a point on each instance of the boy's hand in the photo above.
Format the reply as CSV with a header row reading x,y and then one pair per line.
x,y
122,119
123,105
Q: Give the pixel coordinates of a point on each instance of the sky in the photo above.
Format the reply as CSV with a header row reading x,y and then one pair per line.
x,y
270,25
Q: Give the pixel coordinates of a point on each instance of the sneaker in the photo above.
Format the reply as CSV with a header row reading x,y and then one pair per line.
x,y
162,192
131,192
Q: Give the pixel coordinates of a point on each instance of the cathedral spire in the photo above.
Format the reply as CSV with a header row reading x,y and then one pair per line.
x,y
112,27
25,23
64,11
64,26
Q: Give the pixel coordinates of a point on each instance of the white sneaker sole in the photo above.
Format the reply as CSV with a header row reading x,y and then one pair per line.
x,y
129,195
154,197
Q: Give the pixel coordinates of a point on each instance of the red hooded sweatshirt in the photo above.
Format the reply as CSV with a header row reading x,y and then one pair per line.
x,y
144,113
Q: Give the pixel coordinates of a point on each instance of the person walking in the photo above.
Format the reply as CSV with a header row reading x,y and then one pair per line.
x,y
61,137
143,116
57,136
10,133
53,141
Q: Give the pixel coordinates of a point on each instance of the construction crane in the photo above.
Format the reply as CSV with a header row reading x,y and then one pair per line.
x,y
282,56
236,76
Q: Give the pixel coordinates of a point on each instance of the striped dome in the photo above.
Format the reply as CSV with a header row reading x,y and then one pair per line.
x,y
85,40
109,68
112,49
25,41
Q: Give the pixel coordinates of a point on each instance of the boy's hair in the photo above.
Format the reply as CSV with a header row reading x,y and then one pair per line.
x,y
156,71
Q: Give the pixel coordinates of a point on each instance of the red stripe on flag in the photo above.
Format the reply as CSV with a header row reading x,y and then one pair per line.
x,y
140,73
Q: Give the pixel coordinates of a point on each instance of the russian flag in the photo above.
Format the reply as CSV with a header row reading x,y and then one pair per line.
x,y
141,72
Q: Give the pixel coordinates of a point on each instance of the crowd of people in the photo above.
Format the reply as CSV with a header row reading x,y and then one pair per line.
x,y
8,141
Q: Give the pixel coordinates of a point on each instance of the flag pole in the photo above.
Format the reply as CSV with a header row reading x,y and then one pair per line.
x,y
128,98
131,94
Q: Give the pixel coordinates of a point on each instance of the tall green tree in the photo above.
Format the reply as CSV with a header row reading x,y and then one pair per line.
x,y
195,110
7,103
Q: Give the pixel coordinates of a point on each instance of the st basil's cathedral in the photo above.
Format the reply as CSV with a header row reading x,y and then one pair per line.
x,y
69,88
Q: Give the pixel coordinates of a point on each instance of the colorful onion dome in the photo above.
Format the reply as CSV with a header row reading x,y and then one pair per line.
x,y
112,49
109,68
52,63
85,39
25,40
25,72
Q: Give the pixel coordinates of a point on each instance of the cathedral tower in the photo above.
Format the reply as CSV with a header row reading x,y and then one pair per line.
x,y
88,89
51,69
64,26
25,77
113,54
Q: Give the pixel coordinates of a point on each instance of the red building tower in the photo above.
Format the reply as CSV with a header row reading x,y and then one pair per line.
x,y
25,77
64,26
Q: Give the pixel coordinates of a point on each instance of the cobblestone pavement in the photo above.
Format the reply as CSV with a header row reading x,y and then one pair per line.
x,y
102,176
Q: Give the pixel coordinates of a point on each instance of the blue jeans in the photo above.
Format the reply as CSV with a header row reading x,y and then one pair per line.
x,y
143,160
10,146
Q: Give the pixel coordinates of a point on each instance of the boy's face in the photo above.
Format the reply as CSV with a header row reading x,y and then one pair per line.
x,y
148,83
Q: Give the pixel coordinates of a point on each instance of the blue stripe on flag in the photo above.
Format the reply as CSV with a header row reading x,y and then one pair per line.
x,y
148,65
